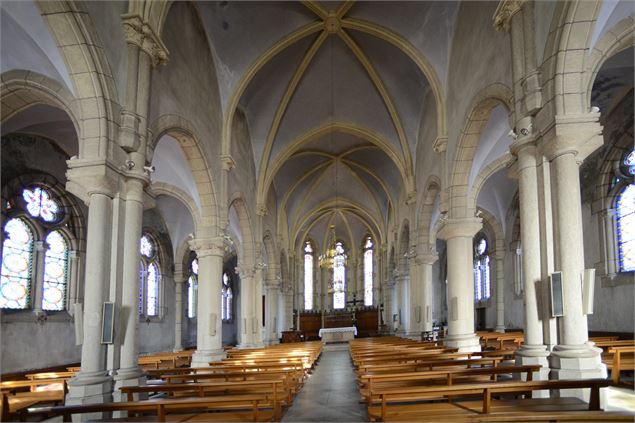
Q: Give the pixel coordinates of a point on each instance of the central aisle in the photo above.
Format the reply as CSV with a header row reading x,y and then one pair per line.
x,y
330,394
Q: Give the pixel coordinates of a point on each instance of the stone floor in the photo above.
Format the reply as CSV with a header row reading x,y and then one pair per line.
x,y
330,394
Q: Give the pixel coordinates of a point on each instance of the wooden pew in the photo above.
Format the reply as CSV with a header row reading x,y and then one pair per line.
x,y
15,401
447,377
272,389
413,403
225,408
429,365
622,359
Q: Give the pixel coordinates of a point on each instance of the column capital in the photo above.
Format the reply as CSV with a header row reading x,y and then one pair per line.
x,y
579,134
41,246
74,254
246,272
139,33
464,227
504,12
88,177
440,144
208,247
427,258
227,162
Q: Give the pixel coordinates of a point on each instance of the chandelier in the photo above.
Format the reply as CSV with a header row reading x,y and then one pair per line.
x,y
326,260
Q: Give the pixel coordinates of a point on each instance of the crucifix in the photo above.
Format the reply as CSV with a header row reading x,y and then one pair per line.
x,y
354,302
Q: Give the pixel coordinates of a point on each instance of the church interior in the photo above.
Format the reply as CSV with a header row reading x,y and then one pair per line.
x,y
317,210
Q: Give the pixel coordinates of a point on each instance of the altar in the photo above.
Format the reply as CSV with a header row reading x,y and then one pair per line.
x,y
344,334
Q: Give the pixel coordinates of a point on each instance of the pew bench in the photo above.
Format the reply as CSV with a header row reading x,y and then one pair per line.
x,y
413,403
428,365
225,408
270,390
15,405
620,359
448,377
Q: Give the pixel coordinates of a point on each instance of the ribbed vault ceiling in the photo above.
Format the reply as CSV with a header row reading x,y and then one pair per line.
x,y
333,102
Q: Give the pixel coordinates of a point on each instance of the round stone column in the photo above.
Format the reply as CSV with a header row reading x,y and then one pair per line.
x,y
247,307
426,261
209,337
178,306
129,372
499,257
459,234
532,351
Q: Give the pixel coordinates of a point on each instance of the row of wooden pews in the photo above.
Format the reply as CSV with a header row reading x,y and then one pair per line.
x,y
249,385
421,381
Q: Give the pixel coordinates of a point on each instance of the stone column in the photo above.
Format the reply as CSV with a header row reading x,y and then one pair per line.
x,y
257,320
40,252
426,261
573,358
129,373
93,384
73,279
391,304
272,288
415,295
325,274
459,234
532,351
499,257
209,337
402,282
178,306
247,307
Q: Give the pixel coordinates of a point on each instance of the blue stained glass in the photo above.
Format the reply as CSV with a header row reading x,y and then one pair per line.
x,y
152,298
228,305
626,228
55,273
146,247
17,252
368,275
39,203
629,162
191,297
339,278
141,286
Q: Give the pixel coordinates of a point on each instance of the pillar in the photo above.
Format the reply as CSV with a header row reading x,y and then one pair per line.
x,y
415,294
499,257
247,307
533,351
573,357
209,337
272,289
178,306
129,372
426,260
459,234
40,252
93,384
257,320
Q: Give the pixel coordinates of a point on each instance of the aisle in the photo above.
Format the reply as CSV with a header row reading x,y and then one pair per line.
x,y
330,394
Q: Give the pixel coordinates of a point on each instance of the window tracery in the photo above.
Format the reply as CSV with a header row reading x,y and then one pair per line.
x,y
482,286
308,276
149,277
368,271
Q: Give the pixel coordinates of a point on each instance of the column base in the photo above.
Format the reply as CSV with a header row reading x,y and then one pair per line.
x,y
577,362
272,341
133,376
465,343
202,358
528,355
500,329
89,388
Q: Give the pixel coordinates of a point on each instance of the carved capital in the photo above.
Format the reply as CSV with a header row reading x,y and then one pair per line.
x,y
208,247
411,197
577,134
227,162
88,177
440,144
454,228
261,210
139,33
504,12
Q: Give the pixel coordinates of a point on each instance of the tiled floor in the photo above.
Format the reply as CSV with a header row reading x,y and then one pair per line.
x,y
330,394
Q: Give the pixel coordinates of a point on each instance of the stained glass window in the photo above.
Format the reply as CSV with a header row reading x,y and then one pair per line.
x,y
226,298
17,252
625,217
192,287
629,162
39,203
308,276
152,291
55,272
339,277
368,272
482,288
149,278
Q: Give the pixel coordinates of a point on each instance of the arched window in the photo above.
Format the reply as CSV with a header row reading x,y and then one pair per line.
x,y
192,288
368,271
35,211
625,220
17,254
226,298
55,272
481,269
308,276
149,277
339,277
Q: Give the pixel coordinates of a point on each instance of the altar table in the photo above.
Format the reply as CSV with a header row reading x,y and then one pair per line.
x,y
337,334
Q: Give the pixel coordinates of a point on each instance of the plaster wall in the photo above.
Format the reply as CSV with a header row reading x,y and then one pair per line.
x,y
477,59
22,155
186,86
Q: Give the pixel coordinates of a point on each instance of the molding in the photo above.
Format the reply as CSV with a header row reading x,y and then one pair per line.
x,y
440,144
139,33
504,12
227,162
